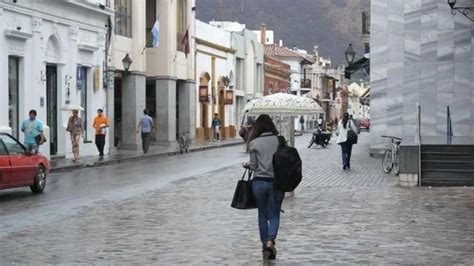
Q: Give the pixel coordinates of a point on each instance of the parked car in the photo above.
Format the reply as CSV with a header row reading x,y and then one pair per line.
x,y
18,168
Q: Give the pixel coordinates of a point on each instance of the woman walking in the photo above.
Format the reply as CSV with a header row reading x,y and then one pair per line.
x,y
74,127
262,143
342,128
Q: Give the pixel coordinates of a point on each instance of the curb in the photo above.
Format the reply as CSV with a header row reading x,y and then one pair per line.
x,y
135,158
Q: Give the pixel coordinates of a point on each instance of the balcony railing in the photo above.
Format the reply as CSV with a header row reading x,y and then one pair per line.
x,y
326,97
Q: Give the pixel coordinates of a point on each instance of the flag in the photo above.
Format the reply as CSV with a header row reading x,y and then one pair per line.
x,y
155,31
185,43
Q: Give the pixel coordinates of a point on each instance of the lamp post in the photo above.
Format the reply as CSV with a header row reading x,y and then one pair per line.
x,y
465,10
126,61
350,54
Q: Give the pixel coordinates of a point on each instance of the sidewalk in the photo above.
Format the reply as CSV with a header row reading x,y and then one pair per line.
x,y
121,156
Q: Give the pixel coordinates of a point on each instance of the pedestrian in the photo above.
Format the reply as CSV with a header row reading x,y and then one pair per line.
x,y
320,122
33,129
216,126
75,128
302,123
262,143
342,128
100,124
146,126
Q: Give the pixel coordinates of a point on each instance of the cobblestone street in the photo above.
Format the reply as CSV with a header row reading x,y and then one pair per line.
x,y
357,216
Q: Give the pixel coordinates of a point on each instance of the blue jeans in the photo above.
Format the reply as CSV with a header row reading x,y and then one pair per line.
x,y
269,205
346,153
32,148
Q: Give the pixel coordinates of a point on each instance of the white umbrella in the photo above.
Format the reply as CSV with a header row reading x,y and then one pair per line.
x,y
71,107
283,104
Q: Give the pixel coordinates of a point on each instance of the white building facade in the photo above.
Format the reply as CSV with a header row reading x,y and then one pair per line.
x,y
215,67
161,76
248,78
52,54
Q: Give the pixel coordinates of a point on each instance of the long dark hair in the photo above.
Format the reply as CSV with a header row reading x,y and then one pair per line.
x,y
262,125
345,119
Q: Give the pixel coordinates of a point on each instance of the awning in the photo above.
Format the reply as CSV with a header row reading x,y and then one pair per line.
x,y
283,104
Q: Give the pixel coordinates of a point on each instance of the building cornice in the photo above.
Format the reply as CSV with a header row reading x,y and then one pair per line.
x,y
18,34
161,78
277,71
92,7
209,54
48,17
215,46
87,47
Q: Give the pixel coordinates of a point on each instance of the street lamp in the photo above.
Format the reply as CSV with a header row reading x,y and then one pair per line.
x,y
126,61
226,81
350,54
465,10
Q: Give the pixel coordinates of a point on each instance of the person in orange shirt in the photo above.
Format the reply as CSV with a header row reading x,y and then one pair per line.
x,y
100,124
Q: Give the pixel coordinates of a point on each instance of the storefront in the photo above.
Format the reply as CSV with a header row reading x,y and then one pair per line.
x,y
51,55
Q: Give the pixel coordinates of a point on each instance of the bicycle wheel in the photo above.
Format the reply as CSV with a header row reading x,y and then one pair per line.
x,y
387,163
396,163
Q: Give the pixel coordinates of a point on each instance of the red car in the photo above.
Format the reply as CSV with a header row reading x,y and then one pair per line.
x,y
18,168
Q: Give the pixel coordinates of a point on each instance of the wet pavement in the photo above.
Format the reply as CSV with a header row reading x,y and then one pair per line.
x,y
176,210
117,156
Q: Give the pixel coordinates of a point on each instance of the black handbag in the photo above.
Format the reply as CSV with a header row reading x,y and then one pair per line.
x,y
351,137
243,195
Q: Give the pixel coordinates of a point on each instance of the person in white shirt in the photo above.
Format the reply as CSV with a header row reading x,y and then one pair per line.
x,y
344,125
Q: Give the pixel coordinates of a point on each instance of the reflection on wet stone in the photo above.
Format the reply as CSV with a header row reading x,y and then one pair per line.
x,y
336,217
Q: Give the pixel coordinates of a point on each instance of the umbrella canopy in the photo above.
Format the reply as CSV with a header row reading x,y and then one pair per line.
x,y
283,104
70,107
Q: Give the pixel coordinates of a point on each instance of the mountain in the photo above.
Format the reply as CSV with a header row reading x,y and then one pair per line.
x,y
330,24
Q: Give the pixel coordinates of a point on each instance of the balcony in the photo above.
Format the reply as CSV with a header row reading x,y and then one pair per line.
x,y
326,97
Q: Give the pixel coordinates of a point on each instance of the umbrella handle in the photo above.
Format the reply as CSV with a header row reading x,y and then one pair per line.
x,y
243,119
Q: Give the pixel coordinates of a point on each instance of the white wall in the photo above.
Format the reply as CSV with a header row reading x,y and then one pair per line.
x,y
52,32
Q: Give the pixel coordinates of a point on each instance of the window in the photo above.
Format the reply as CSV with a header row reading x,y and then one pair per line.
x,y
181,22
83,89
259,79
3,149
13,147
123,18
239,74
150,21
13,99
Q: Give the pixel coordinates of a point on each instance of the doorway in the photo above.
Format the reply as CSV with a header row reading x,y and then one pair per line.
x,y
52,106
150,105
117,111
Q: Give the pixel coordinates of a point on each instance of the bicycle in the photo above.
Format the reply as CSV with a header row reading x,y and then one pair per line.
x,y
184,143
391,156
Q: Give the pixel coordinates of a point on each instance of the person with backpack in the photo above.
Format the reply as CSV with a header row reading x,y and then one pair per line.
x,y
262,143
342,132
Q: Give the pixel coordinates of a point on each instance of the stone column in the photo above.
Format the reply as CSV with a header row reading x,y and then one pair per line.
x,y
133,103
110,107
187,108
166,111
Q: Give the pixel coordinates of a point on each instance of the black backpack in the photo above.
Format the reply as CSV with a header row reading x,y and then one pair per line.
x,y
286,167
